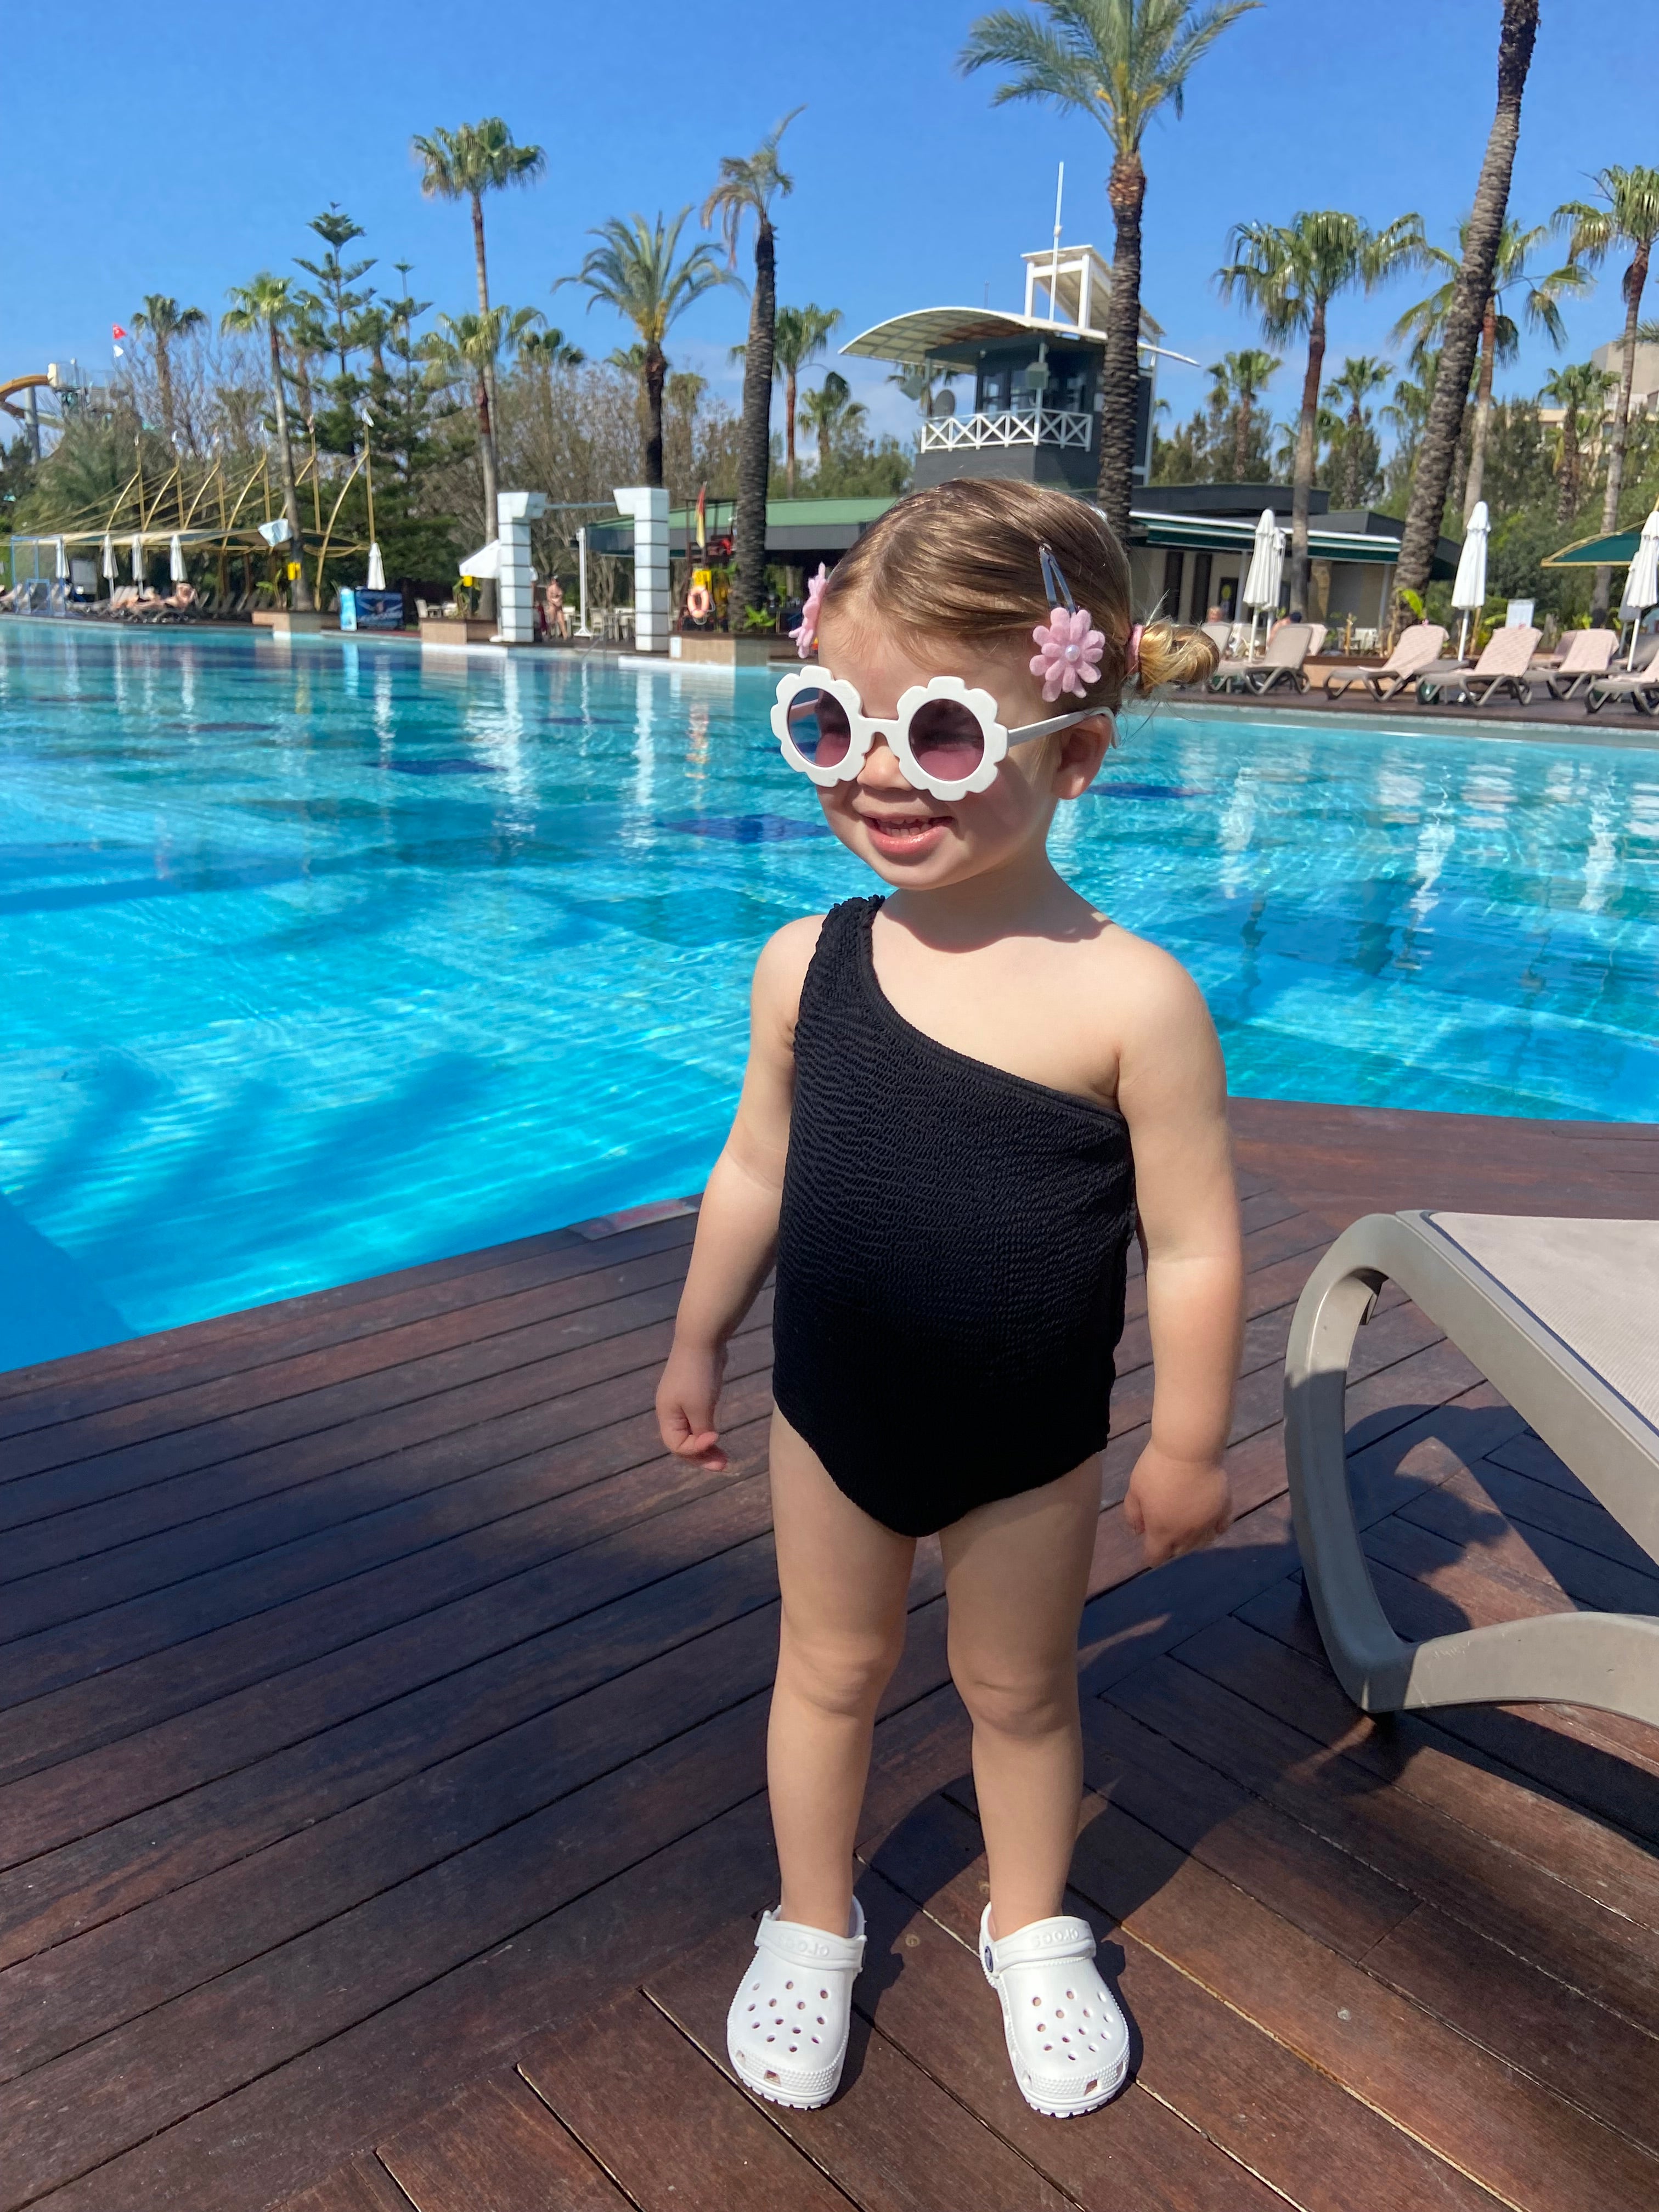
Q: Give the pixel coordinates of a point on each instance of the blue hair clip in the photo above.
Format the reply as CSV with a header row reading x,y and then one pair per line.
x,y
1054,580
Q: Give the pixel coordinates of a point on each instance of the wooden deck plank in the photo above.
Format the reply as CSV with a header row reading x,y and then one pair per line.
x,y
386,1500
1532,1745
1291,2123
893,2140
419,1703
590,1294
65,1798
1467,1873
497,2149
697,2144
357,2184
1522,2141
548,1360
927,1995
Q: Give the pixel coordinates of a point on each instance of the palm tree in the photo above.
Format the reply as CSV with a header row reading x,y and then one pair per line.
x,y
1461,336
1359,376
1289,273
634,271
162,319
466,348
1249,373
1580,391
464,164
798,340
549,349
1215,406
263,304
1628,217
1119,61
830,413
1500,338
748,184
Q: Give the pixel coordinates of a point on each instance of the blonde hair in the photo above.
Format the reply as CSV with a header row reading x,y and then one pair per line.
x,y
961,559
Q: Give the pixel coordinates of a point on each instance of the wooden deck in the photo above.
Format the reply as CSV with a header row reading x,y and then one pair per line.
x,y
381,1725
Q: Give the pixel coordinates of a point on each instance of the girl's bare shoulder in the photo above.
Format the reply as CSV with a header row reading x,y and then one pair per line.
x,y
780,970
1149,992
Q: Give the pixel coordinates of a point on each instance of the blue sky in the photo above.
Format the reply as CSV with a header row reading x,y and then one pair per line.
x,y
202,141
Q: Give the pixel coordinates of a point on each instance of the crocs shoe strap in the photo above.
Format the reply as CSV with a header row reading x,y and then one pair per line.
x,y
801,1946
1043,1943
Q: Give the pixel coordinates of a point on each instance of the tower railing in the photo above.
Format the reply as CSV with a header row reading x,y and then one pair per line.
x,y
1034,426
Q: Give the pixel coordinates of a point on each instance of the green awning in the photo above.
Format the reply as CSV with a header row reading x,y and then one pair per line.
x,y
1616,551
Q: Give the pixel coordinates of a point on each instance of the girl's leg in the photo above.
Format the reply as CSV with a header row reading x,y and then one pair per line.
x,y
844,1579
1017,1573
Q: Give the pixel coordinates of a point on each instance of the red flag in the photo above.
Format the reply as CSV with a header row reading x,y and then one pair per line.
x,y
116,331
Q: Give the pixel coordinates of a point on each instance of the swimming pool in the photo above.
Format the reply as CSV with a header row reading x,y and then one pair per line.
x,y
324,959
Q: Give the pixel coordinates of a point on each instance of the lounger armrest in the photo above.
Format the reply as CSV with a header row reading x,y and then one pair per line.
x,y
1608,1660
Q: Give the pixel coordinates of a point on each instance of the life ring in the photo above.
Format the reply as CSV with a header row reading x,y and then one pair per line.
x,y
698,603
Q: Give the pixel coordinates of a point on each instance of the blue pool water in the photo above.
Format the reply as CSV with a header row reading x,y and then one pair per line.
x,y
322,960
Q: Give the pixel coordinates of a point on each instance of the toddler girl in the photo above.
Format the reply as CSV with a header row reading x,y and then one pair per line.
x,y
963,1099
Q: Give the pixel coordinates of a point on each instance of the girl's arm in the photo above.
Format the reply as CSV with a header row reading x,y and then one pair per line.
x,y
737,1222
1172,1089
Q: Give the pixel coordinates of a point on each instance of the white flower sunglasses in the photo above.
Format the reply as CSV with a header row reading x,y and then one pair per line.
x,y
946,738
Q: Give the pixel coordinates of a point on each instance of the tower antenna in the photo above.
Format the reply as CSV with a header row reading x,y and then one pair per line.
x,y
1054,266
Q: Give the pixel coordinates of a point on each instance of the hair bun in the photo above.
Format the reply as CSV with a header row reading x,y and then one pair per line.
x,y
1169,655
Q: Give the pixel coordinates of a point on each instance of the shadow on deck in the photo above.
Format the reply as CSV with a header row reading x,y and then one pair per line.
x,y
380,1762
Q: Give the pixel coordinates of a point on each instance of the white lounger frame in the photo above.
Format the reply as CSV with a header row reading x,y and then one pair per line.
x,y
1610,1660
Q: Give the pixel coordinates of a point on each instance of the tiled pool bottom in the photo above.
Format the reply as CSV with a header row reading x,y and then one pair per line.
x,y
320,960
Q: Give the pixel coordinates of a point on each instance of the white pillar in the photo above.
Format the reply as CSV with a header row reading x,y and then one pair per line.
x,y
649,508
515,578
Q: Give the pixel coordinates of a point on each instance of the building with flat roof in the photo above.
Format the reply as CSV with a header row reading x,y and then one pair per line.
x,y
1028,403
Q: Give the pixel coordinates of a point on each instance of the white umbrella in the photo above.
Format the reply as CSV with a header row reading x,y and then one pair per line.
x,y
1469,592
1267,568
376,569
176,569
63,560
1642,583
112,566
139,558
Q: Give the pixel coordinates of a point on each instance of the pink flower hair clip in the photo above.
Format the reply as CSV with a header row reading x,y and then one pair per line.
x,y
1067,658
806,636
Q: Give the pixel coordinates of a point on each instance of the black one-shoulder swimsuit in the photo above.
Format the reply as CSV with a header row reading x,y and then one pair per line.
x,y
951,1257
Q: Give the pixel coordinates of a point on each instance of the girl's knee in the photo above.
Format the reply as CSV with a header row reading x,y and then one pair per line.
x,y
1016,1701
841,1675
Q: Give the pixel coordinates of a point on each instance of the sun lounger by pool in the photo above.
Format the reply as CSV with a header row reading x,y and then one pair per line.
x,y
1415,650
1588,654
1288,648
1502,667
1559,1316
1638,685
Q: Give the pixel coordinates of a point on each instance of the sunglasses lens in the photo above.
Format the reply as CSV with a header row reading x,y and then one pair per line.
x,y
946,740
819,728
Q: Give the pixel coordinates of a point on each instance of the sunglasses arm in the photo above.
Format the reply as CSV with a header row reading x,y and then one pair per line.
x,y
1028,730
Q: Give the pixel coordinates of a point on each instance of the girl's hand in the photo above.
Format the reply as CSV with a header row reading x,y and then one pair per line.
x,y
686,1399
1176,1505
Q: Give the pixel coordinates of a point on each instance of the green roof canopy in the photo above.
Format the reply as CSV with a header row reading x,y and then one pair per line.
x,y
1616,551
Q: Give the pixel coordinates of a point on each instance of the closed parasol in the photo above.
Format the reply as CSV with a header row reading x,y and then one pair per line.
x,y
1469,592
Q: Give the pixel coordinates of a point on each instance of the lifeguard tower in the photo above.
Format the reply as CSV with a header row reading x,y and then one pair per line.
x,y
1035,399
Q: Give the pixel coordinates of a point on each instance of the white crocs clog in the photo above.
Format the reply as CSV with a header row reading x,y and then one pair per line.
x,y
787,2030
1067,2042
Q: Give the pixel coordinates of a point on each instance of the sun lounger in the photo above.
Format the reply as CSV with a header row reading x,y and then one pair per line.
x,y
1559,1315
1288,648
1588,654
1637,685
1415,649
1503,666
